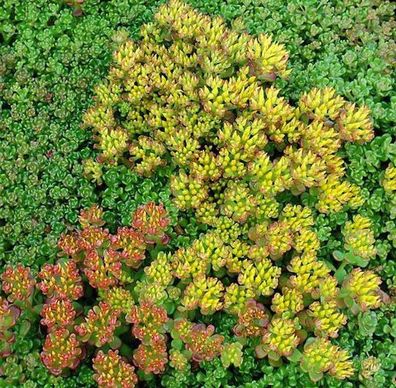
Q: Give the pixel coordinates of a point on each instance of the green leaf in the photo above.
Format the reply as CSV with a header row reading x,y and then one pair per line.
x,y
356,260
340,274
338,255
177,344
24,328
116,343
295,356
315,376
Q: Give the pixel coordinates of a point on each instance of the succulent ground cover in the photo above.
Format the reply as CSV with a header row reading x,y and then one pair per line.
x,y
188,231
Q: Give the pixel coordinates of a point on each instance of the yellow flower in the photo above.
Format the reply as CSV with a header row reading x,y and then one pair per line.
x,y
359,237
297,217
235,298
288,303
355,124
389,180
281,337
334,194
205,293
261,277
160,271
309,272
306,240
363,288
327,318
321,104
342,367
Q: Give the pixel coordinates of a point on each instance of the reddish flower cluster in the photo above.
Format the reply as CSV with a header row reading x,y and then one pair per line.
x,y
203,343
148,321
112,371
107,261
103,255
102,270
61,350
130,246
199,339
148,326
151,220
62,284
252,320
61,280
57,313
18,282
8,317
100,323
152,357
92,216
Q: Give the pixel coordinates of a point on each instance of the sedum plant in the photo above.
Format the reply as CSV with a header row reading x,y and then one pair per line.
x,y
203,104
196,96
151,316
112,371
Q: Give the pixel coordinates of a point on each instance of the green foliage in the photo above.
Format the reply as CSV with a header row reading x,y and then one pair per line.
x,y
50,61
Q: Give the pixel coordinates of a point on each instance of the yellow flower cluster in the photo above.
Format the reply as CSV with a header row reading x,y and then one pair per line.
x,y
309,272
328,320
287,304
281,338
321,356
117,298
195,94
261,277
204,292
359,237
389,179
334,194
363,288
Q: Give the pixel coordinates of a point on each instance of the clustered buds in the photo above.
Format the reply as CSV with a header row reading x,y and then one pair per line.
x,y
359,237
200,340
203,105
148,325
280,340
148,321
362,289
389,180
100,323
103,259
117,298
61,350
61,280
252,320
287,304
152,357
112,371
321,356
205,293
57,313
196,96
18,283
327,319
151,221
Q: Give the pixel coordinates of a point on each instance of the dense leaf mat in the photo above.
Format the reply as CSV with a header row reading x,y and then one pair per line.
x,y
52,55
